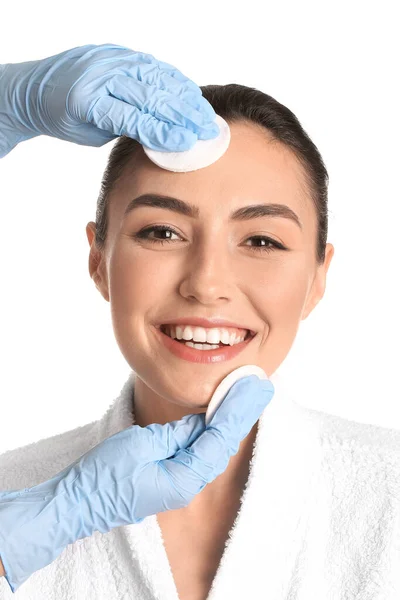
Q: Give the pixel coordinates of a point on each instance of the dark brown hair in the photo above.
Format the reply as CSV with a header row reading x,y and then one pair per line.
x,y
234,102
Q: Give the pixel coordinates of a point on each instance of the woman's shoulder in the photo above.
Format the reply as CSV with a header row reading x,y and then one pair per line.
x,y
342,431
351,451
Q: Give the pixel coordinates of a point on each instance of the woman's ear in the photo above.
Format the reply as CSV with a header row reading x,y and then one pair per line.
x,y
97,269
319,284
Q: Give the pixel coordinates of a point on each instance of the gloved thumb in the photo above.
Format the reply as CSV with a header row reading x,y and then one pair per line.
x,y
209,455
166,440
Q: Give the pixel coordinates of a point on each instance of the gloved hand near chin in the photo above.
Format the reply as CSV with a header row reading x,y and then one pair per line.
x,y
137,472
92,94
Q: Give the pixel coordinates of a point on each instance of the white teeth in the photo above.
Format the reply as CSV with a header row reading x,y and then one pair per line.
x,y
212,336
201,335
226,337
201,346
187,333
234,340
175,331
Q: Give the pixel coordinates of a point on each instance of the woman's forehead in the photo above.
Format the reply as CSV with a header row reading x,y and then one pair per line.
x,y
254,169
251,160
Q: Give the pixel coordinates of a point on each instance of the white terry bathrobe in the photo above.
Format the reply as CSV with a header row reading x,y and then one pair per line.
x,y
319,517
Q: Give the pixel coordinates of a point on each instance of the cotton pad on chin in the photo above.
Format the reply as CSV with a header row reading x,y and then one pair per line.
x,y
226,385
202,154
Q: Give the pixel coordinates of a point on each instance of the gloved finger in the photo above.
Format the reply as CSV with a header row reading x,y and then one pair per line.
x,y
120,118
141,66
144,68
210,453
148,69
142,444
159,442
242,407
178,107
179,76
180,111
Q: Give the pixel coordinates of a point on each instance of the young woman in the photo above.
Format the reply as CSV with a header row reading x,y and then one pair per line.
x,y
233,256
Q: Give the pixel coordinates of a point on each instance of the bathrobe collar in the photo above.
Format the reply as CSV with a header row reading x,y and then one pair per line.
x,y
275,505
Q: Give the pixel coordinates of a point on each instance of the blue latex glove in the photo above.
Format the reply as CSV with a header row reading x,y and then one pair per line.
x,y
92,94
137,472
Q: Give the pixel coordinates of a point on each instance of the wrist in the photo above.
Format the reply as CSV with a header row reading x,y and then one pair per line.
x,y
31,532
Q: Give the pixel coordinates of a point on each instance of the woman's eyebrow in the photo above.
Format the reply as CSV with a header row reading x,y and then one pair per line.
x,y
244,213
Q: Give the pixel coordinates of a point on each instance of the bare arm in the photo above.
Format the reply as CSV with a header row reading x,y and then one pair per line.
x,y
2,572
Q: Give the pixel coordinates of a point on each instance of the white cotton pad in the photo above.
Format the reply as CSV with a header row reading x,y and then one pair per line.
x,y
203,153
226,385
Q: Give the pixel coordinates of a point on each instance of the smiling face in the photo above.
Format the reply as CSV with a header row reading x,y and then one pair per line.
x,y
207,266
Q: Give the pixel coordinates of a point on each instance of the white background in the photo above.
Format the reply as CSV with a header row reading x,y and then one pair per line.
x,y
335,65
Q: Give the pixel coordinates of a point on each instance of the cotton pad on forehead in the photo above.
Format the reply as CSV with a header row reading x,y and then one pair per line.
x,y
203,153
226,384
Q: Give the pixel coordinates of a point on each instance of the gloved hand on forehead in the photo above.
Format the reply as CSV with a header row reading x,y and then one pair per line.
x,y
92,94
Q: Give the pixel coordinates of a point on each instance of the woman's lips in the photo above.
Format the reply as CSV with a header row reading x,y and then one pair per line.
x,y
201,356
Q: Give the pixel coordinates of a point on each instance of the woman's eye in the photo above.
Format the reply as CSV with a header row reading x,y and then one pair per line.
x,y
144,234
265,247
267,243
